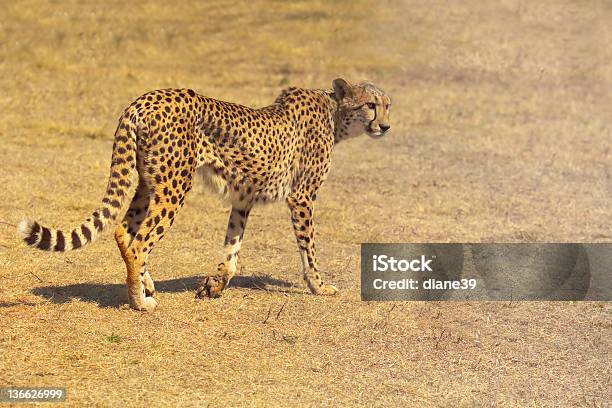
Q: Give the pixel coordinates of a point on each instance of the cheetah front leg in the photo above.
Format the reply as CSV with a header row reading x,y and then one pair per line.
x,y
213,285
302,218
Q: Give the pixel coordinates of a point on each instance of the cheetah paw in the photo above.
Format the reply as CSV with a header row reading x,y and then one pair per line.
x,y
146,304
325,290
211,287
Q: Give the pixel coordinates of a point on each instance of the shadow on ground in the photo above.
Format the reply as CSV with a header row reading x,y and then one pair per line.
x,y
114,295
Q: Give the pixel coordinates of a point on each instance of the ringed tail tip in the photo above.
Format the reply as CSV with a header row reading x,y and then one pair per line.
x,y
27,230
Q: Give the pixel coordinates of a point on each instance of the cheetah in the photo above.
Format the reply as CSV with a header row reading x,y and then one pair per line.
x,y
248,156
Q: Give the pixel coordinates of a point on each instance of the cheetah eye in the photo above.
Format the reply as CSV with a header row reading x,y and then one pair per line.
x,y
371,105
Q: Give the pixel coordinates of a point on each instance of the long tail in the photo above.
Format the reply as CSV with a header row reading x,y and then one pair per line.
x,y
123,174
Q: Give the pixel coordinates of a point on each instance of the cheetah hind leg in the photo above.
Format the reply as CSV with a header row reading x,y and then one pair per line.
x,y
158,219
126,231
140,284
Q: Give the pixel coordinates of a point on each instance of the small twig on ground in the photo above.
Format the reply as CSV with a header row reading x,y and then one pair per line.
x,y
256,286
348,262
281,310
8,223
36,276
385,322
268,316
439,338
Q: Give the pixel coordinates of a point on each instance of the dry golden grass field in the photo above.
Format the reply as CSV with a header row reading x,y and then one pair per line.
x,y
501,132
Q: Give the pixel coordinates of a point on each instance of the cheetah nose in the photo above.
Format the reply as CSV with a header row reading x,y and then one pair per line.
x,y
384,127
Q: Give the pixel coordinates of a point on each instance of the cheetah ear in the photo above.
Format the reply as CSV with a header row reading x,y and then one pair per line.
x,y
341,88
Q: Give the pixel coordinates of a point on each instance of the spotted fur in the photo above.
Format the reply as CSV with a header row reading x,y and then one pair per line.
x,y
281,152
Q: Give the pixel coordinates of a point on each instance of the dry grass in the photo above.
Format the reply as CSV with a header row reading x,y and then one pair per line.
x,y
501,132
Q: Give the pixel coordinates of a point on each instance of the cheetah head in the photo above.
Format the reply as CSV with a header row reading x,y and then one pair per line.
x,y
362,108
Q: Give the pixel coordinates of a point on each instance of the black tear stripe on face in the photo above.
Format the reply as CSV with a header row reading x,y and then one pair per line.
x,y
372,121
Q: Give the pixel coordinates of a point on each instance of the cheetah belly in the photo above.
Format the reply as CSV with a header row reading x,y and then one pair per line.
x,y
215,182
276,190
